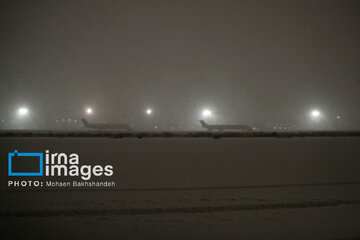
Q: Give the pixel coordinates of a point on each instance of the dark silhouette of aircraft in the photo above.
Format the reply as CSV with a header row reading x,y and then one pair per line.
x,y
223,127
103,126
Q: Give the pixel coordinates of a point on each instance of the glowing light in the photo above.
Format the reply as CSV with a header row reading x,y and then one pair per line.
x,y
315,114
89,111
206,113
338,117
23,111
149,111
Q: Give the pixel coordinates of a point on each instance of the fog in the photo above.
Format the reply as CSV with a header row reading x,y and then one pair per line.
x,y
266,64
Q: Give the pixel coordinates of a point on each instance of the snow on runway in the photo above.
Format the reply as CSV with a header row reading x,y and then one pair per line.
x,y
194,187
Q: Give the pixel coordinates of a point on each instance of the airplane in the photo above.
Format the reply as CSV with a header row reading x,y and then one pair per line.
x,y
244,128
104,126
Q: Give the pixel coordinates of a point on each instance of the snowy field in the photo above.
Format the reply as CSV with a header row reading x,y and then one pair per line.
x,y
200,187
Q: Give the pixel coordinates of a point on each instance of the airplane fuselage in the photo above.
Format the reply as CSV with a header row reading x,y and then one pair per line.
x,y
108,126
105,126
223,127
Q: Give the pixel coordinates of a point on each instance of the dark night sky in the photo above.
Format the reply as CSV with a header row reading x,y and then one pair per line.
x,y
249,61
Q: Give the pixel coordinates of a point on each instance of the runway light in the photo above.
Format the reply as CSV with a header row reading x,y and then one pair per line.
x,y
148,111
23,111
89,111
206,113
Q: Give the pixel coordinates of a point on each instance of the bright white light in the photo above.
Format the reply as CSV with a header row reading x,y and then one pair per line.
x,y
148,111
23,111
89,111
315,114
206,113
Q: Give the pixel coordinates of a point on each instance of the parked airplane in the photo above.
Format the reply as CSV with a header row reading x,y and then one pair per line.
x,y
225,127
103,126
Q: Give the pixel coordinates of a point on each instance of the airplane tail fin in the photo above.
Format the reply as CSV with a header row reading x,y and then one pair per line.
x,y
85,122
203,124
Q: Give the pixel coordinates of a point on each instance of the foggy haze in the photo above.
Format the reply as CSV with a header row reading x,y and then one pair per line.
x,y
249,62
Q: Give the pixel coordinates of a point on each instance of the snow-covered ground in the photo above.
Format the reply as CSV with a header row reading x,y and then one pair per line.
x,y
193,188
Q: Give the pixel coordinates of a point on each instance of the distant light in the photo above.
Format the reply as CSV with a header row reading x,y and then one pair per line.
x,y
315,114
338,117
149,111
23,111
206,113
89,111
